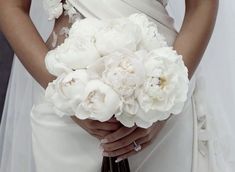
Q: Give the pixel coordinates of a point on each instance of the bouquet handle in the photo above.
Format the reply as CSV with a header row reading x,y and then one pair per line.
x,y
109,165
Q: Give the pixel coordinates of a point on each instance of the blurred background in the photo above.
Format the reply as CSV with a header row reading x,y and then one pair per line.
x,y
6,57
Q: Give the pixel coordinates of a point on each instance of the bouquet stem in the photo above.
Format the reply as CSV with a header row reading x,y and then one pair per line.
x,y
109,165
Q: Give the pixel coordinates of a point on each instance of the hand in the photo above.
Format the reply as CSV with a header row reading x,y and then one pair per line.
x,y
120,143
96,128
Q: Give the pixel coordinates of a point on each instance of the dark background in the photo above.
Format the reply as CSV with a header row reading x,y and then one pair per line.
x,y
6,57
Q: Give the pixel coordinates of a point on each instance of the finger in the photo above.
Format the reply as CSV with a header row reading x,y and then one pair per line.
x,y
126,149
101,133
120,133
123,142
143,141
105,126
131,153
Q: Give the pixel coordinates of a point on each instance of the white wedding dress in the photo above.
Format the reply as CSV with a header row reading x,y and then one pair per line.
x,y
190,142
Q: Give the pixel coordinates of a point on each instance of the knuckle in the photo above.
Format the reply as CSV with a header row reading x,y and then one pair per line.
x,y
92,132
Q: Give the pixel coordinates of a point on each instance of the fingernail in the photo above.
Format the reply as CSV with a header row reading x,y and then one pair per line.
x,y
118,160
104,141
105,154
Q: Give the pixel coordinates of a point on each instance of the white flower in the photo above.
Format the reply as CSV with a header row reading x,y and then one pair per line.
x,y
71,55
67,91
100,102
118,34
86,28
54,8
166,85
124,72
54,66
129,120
151,38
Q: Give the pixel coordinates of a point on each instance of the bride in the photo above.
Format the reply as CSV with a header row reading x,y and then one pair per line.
x,y
64,144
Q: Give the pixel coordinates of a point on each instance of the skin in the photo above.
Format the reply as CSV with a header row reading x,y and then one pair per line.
x,y
116,140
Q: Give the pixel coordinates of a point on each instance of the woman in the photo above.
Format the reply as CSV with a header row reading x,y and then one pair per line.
x,y
174,138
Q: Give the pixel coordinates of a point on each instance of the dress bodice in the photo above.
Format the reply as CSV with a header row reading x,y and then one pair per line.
x,y
55,7
106,9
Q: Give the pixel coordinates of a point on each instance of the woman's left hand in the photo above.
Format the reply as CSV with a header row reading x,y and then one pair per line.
x,y
120,144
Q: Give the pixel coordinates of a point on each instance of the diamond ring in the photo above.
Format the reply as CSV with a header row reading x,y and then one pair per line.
x,y
137,147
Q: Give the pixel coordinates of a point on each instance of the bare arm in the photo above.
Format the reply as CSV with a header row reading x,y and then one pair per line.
x,y
195,33
18,28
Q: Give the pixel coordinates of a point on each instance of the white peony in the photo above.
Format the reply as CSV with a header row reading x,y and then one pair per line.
x,y
130,120
54,8
86,28
100,102
166,85
151,38
118,34
71,55
54,66
124,72
67,91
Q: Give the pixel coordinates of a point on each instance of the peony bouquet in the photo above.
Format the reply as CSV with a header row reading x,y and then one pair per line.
x,y
120,68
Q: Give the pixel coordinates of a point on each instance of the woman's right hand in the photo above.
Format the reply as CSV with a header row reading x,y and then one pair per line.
x,y
96,128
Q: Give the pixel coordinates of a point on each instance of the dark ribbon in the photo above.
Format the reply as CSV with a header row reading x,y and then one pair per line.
x,y
109,165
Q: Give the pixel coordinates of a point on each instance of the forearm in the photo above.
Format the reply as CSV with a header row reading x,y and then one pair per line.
x,y
18,28
196,31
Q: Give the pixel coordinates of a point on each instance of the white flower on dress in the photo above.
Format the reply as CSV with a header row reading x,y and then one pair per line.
x,y
67,91
71,11
54,8
71,55
151,38
100,102
118,34
166,85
